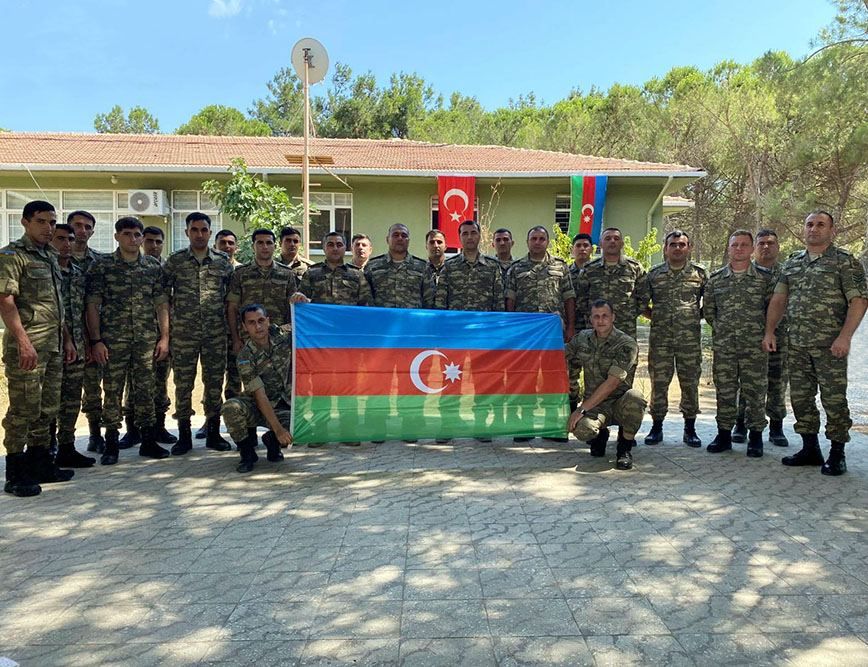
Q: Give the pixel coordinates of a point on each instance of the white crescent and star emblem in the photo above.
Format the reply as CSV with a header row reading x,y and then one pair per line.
x,y
587,215
452,371
456,192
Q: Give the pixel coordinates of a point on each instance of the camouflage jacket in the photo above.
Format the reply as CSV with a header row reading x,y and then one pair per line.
x,y
781,329
72,288
404,284
433,275
616,355
345,284
90,256
582,315
676,298
270,287
299,265
539,287
268,368
735,306
622,284
819,291
128,294
32,276
197,291
465,285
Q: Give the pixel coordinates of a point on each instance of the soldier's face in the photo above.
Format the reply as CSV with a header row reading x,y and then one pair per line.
x,y
436,246
677,249
83,228
768,249
153,245
334,248
740,248
256,325
503,244
199,234
582,250
227,244
538,243
289,246
612,243
819,230
62,242
469,236
602,320
129,240
263,247
40,228
362,249
398,239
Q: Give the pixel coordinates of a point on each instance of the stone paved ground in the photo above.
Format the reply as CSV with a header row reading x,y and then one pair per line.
x,y
441,554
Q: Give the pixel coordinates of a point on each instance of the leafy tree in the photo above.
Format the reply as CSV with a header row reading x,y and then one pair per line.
x,y
216,119
283,109
138,121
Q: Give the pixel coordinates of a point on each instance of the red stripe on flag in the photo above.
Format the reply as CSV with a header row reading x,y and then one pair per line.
x,y
589,187
371,372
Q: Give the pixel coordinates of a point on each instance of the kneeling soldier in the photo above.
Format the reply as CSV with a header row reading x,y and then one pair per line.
x,y
265,367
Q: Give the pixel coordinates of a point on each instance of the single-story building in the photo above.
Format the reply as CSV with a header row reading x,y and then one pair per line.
x,y
357,185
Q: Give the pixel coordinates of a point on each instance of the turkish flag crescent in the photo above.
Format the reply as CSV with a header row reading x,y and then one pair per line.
x,y
457,195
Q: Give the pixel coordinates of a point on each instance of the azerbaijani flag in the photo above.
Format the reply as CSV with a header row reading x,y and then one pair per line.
x,y
365,373
587,201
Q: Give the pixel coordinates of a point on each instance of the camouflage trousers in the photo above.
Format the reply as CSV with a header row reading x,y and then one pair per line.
x,y
34,399
187,352
161,392
626,410
91,401
812,368
233,380
666,357
741,369
70,401
776,407
575,383
240,413
136,360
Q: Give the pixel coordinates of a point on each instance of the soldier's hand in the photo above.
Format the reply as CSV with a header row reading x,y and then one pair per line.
x,y
27,357
769,343
161,350
840,347
284,437
298,297
99,353
69,352
575,418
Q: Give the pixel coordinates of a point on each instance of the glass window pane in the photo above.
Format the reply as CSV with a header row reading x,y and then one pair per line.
x,y
179,224
16,200
321,199
185,200
320,225
343,223
343,199
103,238
205,203
89,200
123,200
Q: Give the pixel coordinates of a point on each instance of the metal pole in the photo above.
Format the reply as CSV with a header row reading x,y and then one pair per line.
x,y
305,175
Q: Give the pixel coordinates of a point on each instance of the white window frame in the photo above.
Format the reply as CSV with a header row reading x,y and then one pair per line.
x,y
315,244
563,204
177,238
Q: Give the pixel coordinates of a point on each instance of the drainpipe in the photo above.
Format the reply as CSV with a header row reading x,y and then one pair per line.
x,y
649,219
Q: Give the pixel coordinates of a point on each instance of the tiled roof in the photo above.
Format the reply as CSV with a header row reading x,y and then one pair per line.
x,y
207,153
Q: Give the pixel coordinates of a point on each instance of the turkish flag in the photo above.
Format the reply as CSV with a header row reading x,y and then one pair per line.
x,y
457,195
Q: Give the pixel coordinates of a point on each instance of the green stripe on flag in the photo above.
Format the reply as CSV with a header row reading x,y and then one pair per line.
x,y
352,418
577,185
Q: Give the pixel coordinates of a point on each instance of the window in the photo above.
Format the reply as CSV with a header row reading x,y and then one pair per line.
x,y
184,202
562,212
435,213
334,212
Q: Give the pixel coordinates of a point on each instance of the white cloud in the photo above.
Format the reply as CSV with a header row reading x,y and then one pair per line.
x,y
222,9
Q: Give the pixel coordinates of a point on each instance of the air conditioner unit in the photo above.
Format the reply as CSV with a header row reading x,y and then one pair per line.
x,y
149,202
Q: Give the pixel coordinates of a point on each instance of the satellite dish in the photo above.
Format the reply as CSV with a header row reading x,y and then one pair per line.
x,y
317,59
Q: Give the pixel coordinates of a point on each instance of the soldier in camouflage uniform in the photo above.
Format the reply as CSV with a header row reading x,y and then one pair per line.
x,y
676,287
126,303
540,283
361,245
226,241
766,251
617,279
196,281
581,253
607,357
290,244
470,281
398,280
502,243
31,306
83,256
435,244
265,365
735,302
823,292
72,289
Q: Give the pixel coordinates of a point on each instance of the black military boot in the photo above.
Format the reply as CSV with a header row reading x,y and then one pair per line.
x,y
202,432
43,468
19,481
132,437
52,444
739,431
690,438
808,455
623,455
149,447
96,443
722,442
776,433
598,443
247,450
655,435
836,464
272,446
185,439
110,452
755,444
213,439
68,457
161,435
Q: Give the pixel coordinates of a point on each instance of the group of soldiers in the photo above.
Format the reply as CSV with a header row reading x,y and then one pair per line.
x,y
82,325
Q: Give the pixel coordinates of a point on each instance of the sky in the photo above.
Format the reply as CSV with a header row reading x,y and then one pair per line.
x,y
64,61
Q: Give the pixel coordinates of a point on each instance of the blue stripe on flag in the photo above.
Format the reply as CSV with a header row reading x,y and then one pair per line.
x,y
599,206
